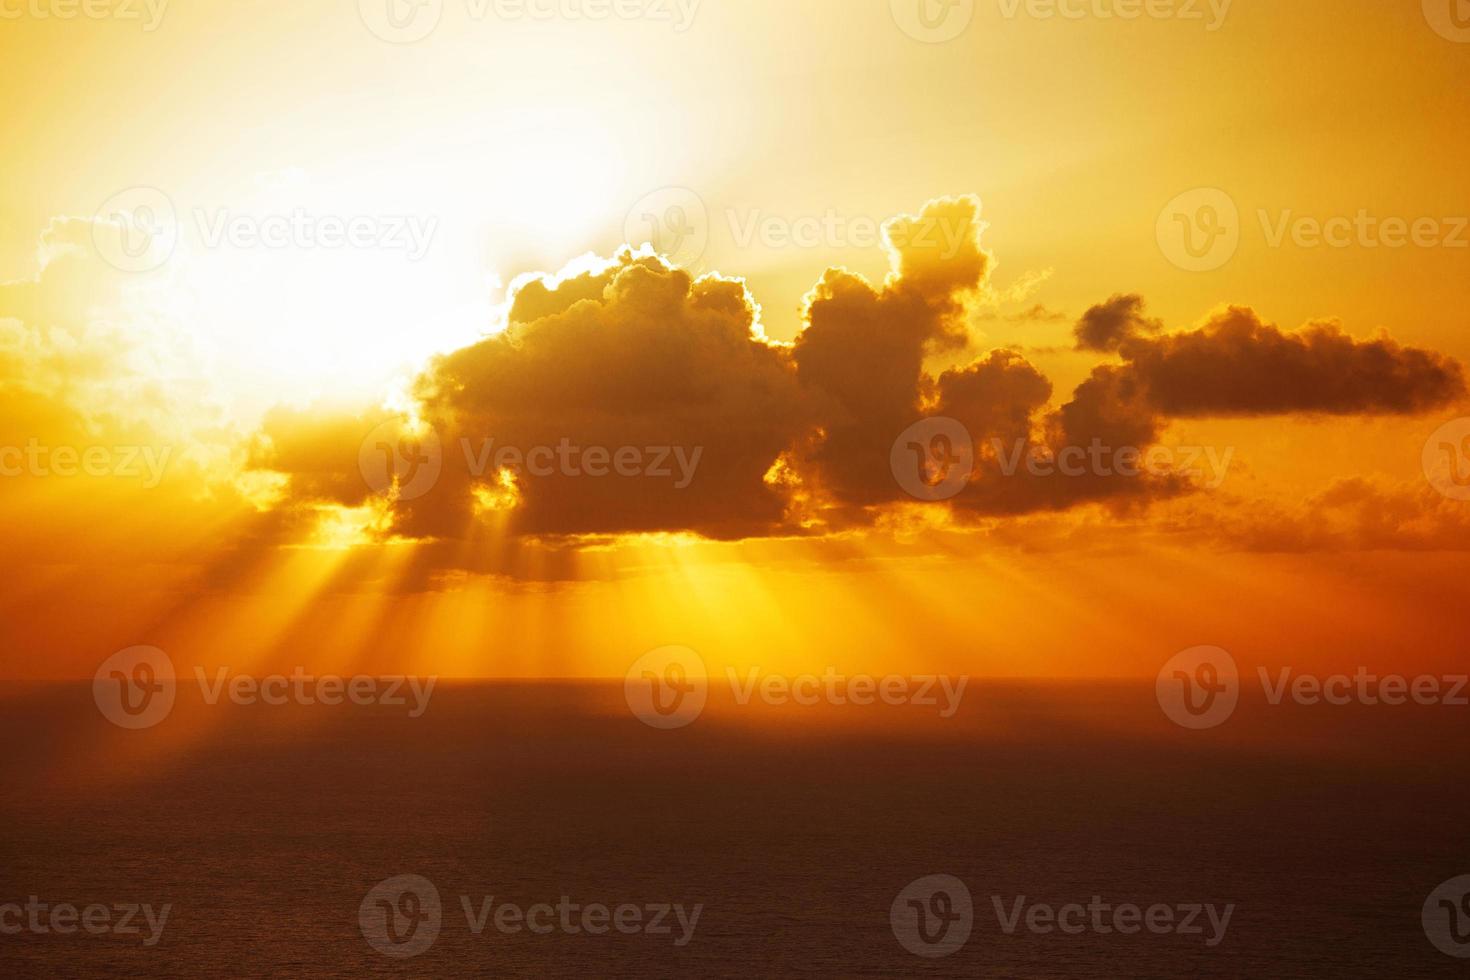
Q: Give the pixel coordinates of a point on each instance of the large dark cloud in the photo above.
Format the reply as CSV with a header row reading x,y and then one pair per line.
x,y
640,357
863,348
796,439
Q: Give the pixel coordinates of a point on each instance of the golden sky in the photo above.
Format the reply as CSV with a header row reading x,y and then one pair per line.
x,y
273,276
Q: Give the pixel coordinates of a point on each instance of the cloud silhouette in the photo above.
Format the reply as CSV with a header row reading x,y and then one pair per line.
x,y
759,438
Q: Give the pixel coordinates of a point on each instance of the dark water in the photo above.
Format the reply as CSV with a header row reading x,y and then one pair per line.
x,y
264,828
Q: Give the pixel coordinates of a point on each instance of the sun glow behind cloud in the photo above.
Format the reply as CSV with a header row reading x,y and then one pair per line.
x,y
495,136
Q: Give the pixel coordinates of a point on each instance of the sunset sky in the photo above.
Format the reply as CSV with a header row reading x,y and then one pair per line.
x,y
507,285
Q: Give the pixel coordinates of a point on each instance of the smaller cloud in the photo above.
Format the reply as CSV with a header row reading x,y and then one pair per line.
x,y
1105,327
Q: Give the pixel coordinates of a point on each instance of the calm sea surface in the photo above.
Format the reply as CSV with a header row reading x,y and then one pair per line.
x,y
264,828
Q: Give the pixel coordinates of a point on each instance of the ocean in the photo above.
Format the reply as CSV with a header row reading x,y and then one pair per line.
x,y
807,838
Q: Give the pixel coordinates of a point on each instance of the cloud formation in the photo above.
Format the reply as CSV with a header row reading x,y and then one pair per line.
x,y
760,438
